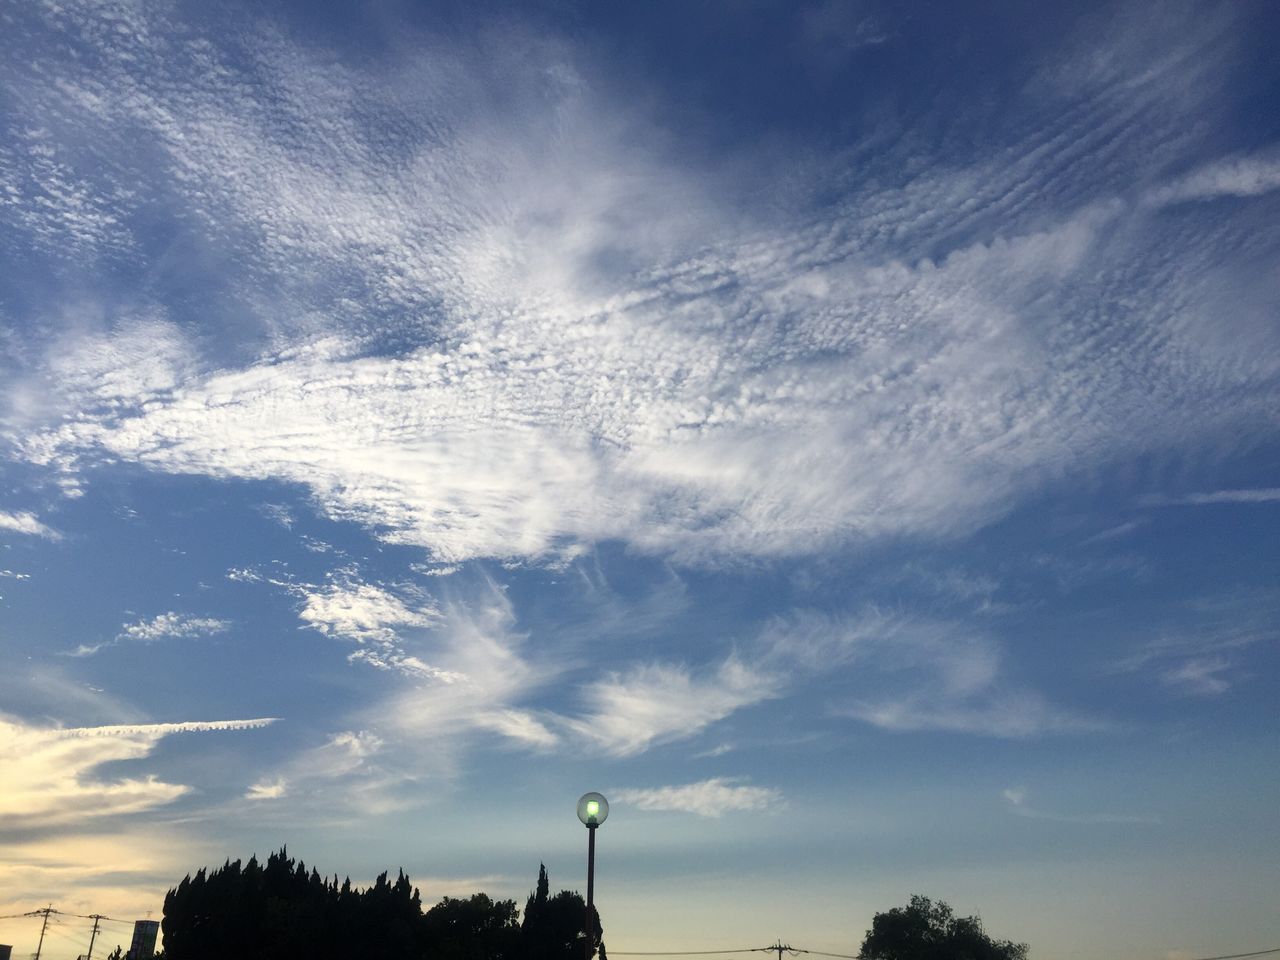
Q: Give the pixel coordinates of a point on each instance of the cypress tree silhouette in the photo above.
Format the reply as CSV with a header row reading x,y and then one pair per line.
x,y
551,928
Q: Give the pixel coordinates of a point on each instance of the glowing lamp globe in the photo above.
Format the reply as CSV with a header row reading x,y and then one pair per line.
x,y
592,809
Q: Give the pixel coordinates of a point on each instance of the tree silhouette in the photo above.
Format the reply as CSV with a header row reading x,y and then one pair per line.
x,y
282,909
535,929
474,929
924,930
551,928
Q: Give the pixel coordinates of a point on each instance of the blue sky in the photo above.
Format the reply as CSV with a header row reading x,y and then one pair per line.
x,y
845,434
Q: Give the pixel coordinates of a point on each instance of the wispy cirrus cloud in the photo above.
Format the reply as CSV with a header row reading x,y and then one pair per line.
x,y
1260,495
1113,532
479,648
1009,716
912,673
632,711
1203,650
1017,800
1204,676
347,772
707,798
457,671
421,726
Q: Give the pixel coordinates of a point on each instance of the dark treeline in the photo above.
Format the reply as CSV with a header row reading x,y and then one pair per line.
x,y
929,930
282,909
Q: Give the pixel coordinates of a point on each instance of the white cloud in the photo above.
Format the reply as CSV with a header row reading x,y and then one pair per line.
x,y
518,725
1017,797
1202,676
592,343
717,751
911,399
272,789
1203,649
627,713
359,611
277,513
158,730
354,773
1113,533
476,645
341,755
27,523
172,626
373,617
50,771
671,400
817,643
1245,176
1263,495
164,626
707,798
65,213
1014,716
426,716
914,673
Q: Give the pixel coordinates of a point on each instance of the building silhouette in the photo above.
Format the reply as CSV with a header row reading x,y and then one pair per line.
x,y
143,946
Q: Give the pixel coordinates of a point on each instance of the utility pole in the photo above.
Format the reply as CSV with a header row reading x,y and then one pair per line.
x,y
35,913
93,936
780,946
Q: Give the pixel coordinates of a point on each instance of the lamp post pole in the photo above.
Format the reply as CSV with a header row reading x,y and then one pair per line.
x,y
591,886
592,809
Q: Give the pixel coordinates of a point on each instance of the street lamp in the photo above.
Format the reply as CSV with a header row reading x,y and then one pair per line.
x,y
593,808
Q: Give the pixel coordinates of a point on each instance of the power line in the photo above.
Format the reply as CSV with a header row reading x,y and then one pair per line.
x,y
684,953
55,928
849,956
97,916
61,932
61,913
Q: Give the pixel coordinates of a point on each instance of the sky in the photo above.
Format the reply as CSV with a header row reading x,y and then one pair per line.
x,y
846,434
